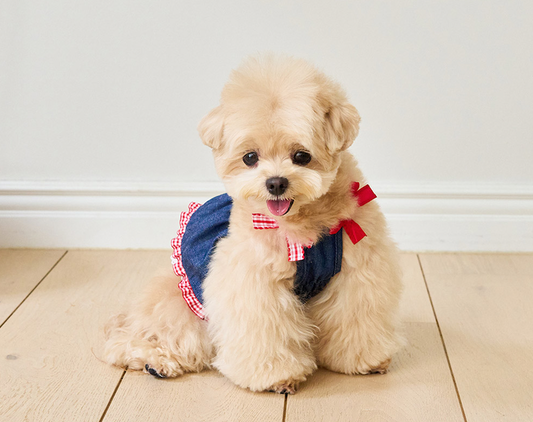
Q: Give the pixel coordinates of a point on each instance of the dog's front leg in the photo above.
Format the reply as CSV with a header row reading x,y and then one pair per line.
x,y
356,313
262,336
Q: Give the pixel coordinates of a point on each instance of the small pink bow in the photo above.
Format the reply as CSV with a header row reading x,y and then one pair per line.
x,y
262,222
354,230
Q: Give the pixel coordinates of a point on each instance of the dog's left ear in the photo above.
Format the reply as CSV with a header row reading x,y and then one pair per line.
x,y
341,126
211,128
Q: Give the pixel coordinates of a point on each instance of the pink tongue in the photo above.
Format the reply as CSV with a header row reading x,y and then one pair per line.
x,y
279,207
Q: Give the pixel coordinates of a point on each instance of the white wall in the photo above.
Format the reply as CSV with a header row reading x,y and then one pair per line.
x,y
99,102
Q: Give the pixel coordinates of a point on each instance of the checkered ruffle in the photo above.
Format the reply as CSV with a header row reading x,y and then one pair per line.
x,y
262,222
184,285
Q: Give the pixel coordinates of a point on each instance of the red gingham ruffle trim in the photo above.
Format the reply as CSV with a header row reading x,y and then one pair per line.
x,y
295,250
184,285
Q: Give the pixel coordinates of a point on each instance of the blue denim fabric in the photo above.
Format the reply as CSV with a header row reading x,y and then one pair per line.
x,y
210,223
321,262
207,226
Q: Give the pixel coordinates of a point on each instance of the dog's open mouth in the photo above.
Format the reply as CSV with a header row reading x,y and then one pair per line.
x,y
279,207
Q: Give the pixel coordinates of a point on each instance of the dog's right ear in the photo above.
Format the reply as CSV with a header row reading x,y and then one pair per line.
x,y
211,128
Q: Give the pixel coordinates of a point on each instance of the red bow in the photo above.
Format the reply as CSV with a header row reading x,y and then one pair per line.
x,y
354,230
295,250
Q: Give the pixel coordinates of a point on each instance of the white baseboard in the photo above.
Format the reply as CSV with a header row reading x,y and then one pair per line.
x,y
422,217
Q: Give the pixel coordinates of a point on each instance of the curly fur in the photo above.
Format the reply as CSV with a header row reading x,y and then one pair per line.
x,y
259,334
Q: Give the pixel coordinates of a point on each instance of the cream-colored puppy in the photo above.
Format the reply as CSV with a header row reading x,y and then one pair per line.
x,y
279,138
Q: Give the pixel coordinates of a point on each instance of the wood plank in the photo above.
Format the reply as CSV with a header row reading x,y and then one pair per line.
x,y
483,304
49,348
20,271
207,396
418,387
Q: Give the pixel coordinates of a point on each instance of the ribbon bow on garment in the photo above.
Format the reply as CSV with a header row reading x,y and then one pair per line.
x,y
352,229
261,222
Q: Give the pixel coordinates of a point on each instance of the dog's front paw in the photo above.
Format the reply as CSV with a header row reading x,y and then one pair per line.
x,y
284,387
382,368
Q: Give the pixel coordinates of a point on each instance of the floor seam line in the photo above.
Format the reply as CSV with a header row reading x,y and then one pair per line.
x,y
442,339
283,419
32,290
113,395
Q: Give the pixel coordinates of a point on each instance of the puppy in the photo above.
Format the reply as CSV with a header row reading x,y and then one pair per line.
x,y
294,267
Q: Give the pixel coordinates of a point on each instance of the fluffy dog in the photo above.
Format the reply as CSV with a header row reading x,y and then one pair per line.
x,y
279,139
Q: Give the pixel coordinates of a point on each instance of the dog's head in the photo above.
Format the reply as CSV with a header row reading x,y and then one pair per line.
x,y
278,133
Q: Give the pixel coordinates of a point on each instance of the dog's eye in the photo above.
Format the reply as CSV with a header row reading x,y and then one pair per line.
x,y
250,158
301,158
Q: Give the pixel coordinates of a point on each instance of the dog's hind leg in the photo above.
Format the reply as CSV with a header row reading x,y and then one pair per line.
x,y
356,313
159,334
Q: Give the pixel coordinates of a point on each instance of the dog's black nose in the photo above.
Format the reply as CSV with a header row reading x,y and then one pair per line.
x,y
277,185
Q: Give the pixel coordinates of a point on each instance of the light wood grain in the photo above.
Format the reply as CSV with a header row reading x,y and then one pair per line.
x,y
20,271
484,304
207,396
418,387
49,367
48,349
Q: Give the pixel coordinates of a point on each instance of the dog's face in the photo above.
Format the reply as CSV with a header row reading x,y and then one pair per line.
x,y
278,133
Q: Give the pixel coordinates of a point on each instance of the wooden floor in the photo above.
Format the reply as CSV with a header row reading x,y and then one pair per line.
x,y
468,319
